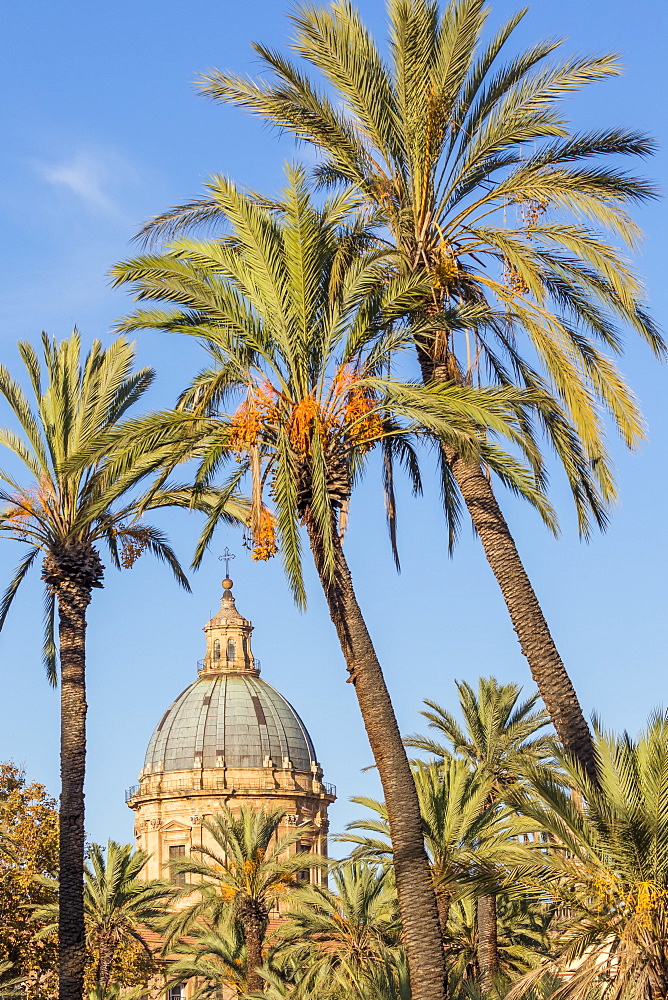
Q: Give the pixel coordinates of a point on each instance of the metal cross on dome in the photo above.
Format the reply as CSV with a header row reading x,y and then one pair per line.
x,y
226,556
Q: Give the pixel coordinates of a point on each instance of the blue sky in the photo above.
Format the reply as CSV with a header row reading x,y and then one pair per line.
x,y
101,130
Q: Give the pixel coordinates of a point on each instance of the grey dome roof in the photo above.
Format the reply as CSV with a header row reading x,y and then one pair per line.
x,y
233,717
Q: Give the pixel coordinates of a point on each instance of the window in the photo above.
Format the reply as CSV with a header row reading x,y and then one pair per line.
x,y
305,875
178,878
231,650
216,656
176,992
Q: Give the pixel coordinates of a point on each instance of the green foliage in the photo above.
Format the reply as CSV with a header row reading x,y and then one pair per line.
x,y
607,869
523,927
340,932
120,907
468,159
301,321
213,957
29,821
76,493
466,835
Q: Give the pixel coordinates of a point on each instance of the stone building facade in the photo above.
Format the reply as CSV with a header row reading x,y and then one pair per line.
x,y
228,738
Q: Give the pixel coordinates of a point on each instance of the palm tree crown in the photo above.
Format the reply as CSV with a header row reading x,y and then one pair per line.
x,y
499,736
303,324
608,867
77,494
353,924
120,905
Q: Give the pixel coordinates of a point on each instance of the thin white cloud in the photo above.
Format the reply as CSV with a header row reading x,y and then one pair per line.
x,y
90,176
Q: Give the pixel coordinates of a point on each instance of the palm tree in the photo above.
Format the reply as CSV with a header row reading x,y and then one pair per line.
x,y
242,877
120,906
76,496
472,168
463,831
607,869
345,929
523,940
215,957
498,743
388,980
291,313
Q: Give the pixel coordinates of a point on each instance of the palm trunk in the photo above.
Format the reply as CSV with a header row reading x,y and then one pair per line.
x,y
417,901
107,950
71,571
72,602
488,954
253,935
536,642
443,907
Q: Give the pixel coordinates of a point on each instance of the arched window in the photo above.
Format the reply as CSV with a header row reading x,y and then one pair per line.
x,y
244,646
231,650
216,649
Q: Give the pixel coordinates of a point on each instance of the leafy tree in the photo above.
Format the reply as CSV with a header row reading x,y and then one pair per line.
x,y
498,743
241,879
76,495
607,869
29,820
120,906
475,173
302,324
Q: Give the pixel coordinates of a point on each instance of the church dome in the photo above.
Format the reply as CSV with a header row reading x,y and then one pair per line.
x,y
230,720
229,717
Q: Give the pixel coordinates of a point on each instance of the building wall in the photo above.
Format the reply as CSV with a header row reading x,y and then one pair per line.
x,y
170,807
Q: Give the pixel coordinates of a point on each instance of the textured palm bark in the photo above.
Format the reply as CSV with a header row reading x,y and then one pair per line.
x,y
443,907
536,642
73,599
417,901
108,942
106,952
254,925
488,952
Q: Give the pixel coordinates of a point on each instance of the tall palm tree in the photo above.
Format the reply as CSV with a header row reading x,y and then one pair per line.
x,y
302,325
241,878
474,171
76,495
498,743
607,869
120,906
